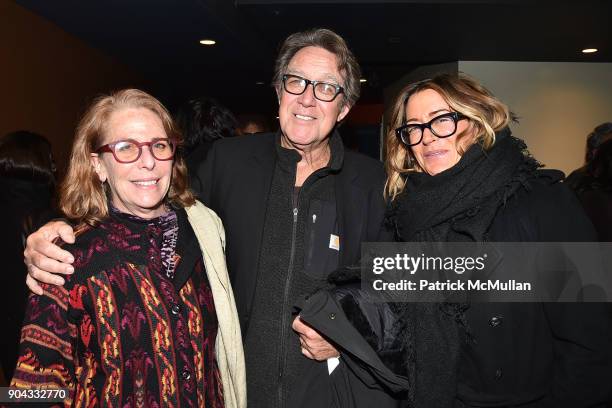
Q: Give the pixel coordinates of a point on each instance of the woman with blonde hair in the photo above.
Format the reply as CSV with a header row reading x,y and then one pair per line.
x,y
457,174
148,317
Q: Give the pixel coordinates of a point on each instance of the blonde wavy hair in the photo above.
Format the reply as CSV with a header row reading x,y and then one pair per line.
x,y
82,197
463,94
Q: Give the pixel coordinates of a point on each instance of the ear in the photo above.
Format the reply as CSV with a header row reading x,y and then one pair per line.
x,y
278,94
343,112
98,167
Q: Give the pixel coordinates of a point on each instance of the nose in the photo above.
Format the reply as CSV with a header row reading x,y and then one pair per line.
x,y
146,160
307,97
428,137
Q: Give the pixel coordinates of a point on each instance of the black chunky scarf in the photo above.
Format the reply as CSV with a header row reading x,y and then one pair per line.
x,y
460,203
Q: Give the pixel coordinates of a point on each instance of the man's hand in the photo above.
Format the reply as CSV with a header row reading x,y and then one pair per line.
x,y
44,259
314,346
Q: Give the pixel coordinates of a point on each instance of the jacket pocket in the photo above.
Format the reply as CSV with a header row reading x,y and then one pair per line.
x,y
321,247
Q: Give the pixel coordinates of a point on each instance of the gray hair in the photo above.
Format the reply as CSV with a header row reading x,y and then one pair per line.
x,y
330,41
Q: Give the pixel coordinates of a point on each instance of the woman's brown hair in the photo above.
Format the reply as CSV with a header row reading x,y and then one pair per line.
x,y
463,94
82,197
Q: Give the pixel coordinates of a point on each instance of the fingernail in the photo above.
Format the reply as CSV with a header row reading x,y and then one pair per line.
x,y
70,269
59,282
70,259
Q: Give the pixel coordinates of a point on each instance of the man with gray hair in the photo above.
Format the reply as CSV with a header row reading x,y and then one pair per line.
x,y
296,206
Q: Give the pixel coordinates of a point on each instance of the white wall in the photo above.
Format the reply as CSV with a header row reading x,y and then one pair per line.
x,y
558,103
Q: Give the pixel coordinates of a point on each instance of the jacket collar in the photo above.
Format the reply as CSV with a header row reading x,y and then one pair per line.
x,y
288,158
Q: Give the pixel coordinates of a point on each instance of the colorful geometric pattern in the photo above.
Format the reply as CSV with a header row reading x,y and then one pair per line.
x,y
188,296
107,321
120,333
162,337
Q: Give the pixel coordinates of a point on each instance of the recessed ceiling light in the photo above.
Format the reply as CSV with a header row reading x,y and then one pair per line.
x,y
259,83
207,41
362,80
589,50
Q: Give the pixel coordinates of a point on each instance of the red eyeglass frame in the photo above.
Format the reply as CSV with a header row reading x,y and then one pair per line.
x,y
110,148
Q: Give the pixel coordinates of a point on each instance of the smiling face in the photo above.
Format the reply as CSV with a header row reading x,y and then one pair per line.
x,y
137,188
305,121
433,154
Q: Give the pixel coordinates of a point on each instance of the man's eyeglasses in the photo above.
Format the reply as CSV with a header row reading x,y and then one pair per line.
x,y
441,126
323,91
128,150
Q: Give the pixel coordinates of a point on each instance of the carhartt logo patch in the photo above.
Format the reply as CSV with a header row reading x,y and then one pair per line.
x,y
334,242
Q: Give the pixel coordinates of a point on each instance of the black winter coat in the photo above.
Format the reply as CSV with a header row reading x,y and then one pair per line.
x,y
538,354
373,369
235,182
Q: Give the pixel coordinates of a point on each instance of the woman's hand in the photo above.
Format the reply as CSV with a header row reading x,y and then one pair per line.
x,y
314,346
44,259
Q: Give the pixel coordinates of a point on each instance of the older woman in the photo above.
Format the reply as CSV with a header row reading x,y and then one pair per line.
x,y
148,317
456,173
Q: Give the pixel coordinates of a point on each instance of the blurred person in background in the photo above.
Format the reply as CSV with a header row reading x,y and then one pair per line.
x,y
596,195
27,189
580,178
202,121
253,123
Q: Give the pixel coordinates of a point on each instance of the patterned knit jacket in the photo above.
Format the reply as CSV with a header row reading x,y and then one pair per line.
x,y
121,333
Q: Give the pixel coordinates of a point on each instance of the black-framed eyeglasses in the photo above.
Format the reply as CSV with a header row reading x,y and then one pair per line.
x,y
442,126
128,150
323,91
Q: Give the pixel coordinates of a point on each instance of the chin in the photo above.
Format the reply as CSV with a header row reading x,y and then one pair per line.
x,y
437,166
434,170
147,204
152,205
301,139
